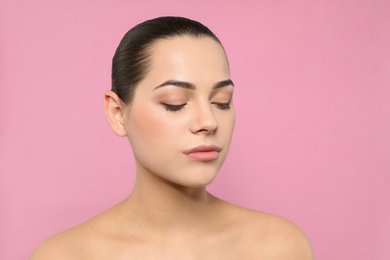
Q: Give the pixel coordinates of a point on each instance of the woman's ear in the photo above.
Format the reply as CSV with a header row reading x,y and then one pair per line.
x,y
115,112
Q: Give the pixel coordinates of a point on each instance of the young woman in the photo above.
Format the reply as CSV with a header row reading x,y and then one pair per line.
x,y
172,97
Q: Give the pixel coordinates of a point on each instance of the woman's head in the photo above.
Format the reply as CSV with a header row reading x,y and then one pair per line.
x,y
132,57
178,114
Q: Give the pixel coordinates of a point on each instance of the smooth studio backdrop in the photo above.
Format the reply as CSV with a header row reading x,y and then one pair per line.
x,y
313,116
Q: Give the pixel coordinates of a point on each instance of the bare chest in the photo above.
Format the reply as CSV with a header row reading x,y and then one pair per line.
x,y
202,249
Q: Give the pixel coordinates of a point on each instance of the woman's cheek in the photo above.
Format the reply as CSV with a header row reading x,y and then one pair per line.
x,y
150,123
147,123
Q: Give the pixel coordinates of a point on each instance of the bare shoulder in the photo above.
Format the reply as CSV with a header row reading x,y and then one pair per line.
x,y
272,237
286,240
60,246
75,243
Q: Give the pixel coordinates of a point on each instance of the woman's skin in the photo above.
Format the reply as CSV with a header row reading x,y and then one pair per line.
x,y
184,102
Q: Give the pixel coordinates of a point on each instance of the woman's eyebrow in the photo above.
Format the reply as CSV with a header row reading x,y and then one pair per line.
x,y
223,83
188,85
176,83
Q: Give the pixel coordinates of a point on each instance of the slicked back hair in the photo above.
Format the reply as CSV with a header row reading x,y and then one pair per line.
x,y
132,57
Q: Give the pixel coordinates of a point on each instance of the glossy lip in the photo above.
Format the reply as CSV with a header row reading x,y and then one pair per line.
x,y
203,153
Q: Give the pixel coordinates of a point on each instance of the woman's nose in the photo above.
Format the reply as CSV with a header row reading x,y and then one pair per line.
x,y
204,120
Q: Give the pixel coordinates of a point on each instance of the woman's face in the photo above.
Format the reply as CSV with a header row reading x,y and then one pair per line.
x,y
181,119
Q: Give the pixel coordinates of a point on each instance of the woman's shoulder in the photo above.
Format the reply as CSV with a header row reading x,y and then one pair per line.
x,y
75,243
270,235
59,246
68,244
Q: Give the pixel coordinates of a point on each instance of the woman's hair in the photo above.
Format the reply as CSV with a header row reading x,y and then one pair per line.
x,y
132,57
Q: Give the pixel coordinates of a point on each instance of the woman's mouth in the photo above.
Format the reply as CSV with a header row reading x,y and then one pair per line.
x,y
203,153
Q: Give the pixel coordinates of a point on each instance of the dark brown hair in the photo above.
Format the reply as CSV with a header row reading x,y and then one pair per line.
x,y
131,59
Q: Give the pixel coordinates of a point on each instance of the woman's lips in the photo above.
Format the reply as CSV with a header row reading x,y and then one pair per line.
x,y
203,153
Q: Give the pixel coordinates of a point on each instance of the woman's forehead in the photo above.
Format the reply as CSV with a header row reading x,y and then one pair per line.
x,y
193,48
188,55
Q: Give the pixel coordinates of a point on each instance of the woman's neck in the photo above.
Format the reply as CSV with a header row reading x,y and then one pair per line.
x,y
169,211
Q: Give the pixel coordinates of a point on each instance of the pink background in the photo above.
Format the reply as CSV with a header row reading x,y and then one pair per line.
x,y
313,106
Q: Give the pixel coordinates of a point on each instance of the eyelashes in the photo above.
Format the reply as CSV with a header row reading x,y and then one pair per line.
x,y
223,106
174,108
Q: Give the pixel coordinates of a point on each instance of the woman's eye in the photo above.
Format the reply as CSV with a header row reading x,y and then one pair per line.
x,y
169,107
223,106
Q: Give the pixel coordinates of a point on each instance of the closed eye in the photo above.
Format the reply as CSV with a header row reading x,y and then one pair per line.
x,y
173,108
223,106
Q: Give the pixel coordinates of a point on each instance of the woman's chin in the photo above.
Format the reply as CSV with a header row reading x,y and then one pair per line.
x,y
195,179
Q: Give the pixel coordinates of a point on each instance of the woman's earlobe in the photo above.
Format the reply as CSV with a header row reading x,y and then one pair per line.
x,y
115,112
